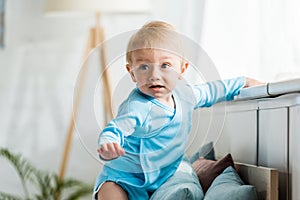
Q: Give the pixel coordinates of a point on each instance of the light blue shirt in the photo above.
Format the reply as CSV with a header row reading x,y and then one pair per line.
x,y
155,136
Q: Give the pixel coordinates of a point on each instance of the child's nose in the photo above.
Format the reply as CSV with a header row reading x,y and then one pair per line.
x,y
155,73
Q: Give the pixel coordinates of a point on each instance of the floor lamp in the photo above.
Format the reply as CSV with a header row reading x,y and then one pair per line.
x,y
96,37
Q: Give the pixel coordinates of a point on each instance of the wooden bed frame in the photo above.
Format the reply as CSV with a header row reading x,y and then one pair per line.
x,y
264,179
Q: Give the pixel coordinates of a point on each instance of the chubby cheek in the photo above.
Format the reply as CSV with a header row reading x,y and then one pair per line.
x,y
173,77
140,81
172,84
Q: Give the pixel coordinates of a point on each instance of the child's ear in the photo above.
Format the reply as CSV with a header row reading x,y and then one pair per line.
x,y
184,67
128,67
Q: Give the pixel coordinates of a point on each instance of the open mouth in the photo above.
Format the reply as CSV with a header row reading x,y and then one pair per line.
x,y
156,86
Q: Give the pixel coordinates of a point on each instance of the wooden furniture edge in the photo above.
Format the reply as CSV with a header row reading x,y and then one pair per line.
x,y
264,179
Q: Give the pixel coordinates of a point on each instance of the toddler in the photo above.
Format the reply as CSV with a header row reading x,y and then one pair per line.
x,y
144,144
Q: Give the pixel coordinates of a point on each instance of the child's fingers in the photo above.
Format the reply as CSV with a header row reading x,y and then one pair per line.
x,y
103,148
119,149
111,150
115,149
104,151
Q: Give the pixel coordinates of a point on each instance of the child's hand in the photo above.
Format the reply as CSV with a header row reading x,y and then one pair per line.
x,y
252,82
110,151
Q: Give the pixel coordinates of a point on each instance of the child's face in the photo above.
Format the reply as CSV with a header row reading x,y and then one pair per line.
x,y
156,72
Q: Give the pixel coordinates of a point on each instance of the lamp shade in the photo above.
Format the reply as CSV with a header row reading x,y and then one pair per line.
x,y
102,6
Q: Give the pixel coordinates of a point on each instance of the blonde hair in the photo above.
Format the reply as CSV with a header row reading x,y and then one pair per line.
x,y
154,35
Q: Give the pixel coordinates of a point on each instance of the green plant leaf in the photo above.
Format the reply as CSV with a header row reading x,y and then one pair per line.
x,y
74,188
81,191
48,185
5,196
22,166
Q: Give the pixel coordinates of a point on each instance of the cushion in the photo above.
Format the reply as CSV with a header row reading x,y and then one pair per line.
x,y
228,185
206,151
208,170
183,184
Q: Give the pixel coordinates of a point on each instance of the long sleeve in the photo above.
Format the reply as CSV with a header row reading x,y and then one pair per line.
x,y
131,115
213,92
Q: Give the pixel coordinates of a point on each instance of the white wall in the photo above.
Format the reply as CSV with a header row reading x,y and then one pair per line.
x,y
255,38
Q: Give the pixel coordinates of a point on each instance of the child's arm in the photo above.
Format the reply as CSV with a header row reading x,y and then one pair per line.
x,y
222,90
131,114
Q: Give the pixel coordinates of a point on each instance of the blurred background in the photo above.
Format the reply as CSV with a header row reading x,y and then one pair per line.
x,y
42,53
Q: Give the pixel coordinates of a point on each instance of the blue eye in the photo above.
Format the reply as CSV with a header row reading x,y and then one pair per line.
x,y
143,67
165,66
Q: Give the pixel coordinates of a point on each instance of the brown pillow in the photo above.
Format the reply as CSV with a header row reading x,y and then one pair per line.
x,y
208,170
